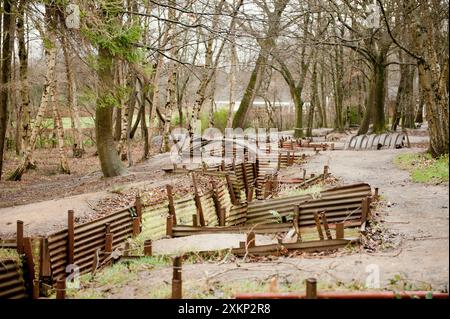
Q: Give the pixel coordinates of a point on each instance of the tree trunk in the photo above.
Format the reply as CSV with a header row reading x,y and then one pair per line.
x,y
379,98
367,117
7,47
78,148
408,99
233,72
58,126
247,100
313,102
436,105
419,114
107,153
339,89
24,113
323,102
50,78
212,105
171,100
144,130
124,107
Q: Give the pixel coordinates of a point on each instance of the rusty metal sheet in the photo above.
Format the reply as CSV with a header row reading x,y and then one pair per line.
x,y
12,284
308,246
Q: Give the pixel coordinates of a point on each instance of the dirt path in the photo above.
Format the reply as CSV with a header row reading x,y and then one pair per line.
x,y
43,216
418,213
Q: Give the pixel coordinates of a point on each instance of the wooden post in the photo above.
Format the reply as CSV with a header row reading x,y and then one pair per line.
x,y
364,209
231,190
376,195
250,194
19,237
198,202
44,262
169,226
61,288
339,230
109,242
217,204
332,146
177,289
148,247
126,251
325,171
255,170
222,217
177,267
177,278
222,166
304,174
194,220
28,251
266,189
136,226
70,236
297,222
138,204
288,156
171,205
325,225
279,161
36,289
311,288
251,240
319,228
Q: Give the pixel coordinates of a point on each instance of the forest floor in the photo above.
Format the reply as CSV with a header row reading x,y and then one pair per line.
x,y
415,216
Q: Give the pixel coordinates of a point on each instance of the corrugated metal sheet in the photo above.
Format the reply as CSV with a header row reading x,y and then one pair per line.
x,y
88,237
12,284
350,196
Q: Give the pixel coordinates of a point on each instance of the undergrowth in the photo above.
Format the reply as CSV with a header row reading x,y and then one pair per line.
x,y
423,168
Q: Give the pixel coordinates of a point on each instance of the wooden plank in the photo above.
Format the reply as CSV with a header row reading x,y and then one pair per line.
x,y
171,204
198,202
325,225
319,228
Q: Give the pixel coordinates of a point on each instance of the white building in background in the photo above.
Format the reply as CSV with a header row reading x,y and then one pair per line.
x,y
258,104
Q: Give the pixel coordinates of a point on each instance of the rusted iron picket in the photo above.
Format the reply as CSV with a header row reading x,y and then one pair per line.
x,y
19,237
148,247
61,288
177,281
311,288
70,236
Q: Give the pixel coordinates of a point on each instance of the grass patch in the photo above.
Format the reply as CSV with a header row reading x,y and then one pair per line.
x,y
314,190
118,275
9,254
424,168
